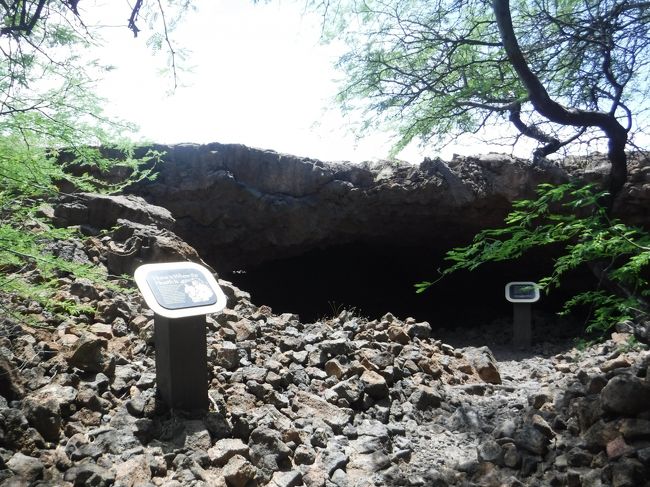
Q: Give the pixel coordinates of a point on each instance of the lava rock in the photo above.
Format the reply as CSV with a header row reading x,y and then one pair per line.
x,y
89,354
625,394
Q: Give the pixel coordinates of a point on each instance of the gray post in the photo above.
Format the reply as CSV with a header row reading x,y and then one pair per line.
x,y
181,361
522,328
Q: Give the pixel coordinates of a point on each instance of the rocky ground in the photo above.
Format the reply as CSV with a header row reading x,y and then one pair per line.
x,y
342,402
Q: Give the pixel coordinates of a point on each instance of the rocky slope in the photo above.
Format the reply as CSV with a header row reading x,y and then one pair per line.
x,y
343,401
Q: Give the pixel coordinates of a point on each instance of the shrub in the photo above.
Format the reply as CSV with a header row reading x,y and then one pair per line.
x,y
571,216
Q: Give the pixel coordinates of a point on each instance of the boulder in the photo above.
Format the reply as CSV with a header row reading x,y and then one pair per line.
x,y
27,468
89,354
485,364
135,244
625,394
44,409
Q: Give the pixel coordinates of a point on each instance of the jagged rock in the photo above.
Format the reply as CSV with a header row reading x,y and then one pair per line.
x,y
625,394
44,408
532,440
419,330
226,448
227,355
425,397
351,390
291,478
103,211
398,334
374,384
238,472
125,377
84,288
309,405
88,473
89,354
135,244
195,435
29,469
10,387
484,363
135,471
267,450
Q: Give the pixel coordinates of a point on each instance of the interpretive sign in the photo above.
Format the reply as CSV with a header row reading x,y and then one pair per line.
x,y
179,289
180,294
522,292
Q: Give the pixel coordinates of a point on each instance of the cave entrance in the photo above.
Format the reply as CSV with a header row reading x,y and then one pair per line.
x,y
374,279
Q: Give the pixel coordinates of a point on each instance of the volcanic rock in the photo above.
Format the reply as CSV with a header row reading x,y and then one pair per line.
x,y
248,206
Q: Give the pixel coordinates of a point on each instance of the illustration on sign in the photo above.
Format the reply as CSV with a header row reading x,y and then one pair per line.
x,y
180,288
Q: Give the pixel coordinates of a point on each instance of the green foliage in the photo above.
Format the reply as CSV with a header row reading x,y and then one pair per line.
x,y
49,114
434,69
570,216
31,274
32,176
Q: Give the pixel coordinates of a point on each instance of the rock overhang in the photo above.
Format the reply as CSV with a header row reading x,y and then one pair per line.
x,y
276,216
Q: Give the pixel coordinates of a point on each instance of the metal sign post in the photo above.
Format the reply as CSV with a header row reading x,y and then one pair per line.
x,y
180,294
522,294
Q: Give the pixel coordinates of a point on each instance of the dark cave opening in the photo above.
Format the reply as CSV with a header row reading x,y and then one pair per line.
x,y
374,279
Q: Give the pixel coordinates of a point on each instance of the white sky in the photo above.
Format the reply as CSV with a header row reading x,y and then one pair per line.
x,y
259,77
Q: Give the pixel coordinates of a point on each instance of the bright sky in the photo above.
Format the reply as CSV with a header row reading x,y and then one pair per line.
x,y
259,77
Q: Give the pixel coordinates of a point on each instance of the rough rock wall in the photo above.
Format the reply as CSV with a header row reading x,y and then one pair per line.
x,y
241,206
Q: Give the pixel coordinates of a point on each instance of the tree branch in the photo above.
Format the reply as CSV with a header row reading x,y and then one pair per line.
x,y
555,112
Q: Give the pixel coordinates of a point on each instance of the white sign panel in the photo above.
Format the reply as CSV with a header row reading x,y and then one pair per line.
x,y
179,289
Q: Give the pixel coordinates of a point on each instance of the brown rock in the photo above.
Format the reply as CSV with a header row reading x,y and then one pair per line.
x,y
244,330
485,364
542,426
10,387
309,405
89,354
102,330
134,472
398,334
616,363
374,384
238,472
618,448
223,450
432,367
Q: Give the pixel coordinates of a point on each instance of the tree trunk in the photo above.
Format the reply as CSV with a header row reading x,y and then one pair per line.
x,y
555,112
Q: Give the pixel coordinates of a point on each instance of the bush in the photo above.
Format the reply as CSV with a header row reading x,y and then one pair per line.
x,y
572,217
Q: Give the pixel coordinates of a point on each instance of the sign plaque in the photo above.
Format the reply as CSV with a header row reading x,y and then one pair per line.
x,y
179,289
180,294
522,292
